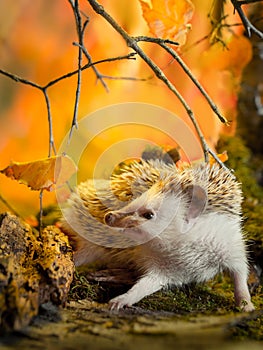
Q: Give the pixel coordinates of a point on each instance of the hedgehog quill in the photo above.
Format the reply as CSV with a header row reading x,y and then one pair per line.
x,y
181,226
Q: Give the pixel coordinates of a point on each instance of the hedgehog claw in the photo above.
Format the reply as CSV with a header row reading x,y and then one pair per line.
x,y
118,303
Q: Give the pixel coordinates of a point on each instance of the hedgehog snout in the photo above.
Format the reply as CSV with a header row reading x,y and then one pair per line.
x,y
114,219
121,220
109,219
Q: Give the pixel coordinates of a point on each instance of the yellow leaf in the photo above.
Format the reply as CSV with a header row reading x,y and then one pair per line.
x,y
168,19
42,174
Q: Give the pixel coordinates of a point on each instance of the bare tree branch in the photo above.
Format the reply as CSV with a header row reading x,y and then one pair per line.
x,y
130,56
155,40
80,44
44,89
247,2
80,31
188,72
18,79
110,77
249,27
50,124
96,71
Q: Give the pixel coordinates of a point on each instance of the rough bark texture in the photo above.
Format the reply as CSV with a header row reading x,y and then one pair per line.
x,y
34,269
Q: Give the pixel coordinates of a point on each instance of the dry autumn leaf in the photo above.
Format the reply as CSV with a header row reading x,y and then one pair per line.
x,y
168,19
42,174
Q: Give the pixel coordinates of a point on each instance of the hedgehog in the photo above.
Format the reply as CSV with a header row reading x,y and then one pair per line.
x,y
180,227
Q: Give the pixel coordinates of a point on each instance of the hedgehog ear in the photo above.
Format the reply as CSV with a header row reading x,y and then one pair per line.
x,y
198,201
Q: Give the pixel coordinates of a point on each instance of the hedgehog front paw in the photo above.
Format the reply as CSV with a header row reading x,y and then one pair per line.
x,y
119,302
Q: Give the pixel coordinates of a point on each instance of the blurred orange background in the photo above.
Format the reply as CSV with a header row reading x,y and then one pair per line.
x,y
36,44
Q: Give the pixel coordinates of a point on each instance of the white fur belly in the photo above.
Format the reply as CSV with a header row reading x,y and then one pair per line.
x,y
211,245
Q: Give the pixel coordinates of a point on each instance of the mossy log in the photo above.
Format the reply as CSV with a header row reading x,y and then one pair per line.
x,y
34,269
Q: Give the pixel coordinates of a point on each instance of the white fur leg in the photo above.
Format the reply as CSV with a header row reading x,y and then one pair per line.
x,y
145,286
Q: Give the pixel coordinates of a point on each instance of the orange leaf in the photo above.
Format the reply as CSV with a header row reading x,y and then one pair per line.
x,y
42,174
222,156
168,19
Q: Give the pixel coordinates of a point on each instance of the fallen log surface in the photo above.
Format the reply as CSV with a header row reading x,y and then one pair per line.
x,y
34,269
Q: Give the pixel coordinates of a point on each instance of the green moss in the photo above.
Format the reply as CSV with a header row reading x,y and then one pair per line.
x,y
250,327
189,300
214,297
81,288
241,161
245,169
95,283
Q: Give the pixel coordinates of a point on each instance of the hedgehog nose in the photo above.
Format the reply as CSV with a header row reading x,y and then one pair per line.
x,y
109,219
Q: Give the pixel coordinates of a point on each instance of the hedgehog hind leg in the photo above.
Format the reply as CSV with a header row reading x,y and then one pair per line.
x,y
239,271
242,295
235,261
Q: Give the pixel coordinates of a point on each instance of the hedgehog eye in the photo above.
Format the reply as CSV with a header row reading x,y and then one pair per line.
x,y
148,215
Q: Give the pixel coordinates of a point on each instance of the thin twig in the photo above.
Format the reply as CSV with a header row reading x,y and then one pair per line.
x,y
129,56
44,88
96,71
50,125
191,76
80,31
41,211
18,79
160,75
110,77
247,2
213,38
155,40
249,27
81,46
